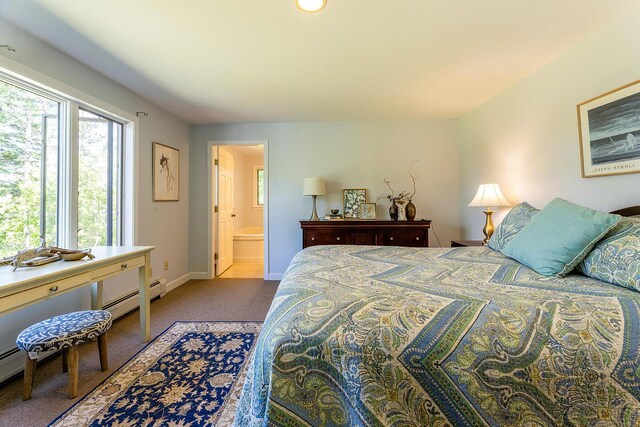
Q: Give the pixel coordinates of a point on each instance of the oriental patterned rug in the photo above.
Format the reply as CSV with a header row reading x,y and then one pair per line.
x,y
191,374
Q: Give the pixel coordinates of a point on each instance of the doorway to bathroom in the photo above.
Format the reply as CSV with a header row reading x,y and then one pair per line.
x,y
238,209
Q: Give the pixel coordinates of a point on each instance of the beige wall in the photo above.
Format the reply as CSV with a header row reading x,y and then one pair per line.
x,y
526,139
346,155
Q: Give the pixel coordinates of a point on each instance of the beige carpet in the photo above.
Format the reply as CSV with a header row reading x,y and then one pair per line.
x,y
220,299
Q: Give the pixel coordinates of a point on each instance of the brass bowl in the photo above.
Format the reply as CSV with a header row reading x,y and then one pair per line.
x,y
73,257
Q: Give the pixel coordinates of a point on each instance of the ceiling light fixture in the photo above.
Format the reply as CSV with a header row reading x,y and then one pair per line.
x,y
311,6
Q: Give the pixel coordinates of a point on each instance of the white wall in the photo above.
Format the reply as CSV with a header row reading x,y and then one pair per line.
x,y
346,155
526,139
164,225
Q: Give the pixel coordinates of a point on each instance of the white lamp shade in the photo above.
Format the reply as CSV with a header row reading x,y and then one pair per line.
x,y
314,187
489,195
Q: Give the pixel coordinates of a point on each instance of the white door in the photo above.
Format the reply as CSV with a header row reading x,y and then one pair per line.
x,y
225,211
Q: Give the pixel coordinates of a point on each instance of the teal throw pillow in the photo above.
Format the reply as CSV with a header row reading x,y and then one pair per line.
x,y
616,258
559,237
519,216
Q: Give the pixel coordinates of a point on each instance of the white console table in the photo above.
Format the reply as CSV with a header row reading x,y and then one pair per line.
x,y
29,285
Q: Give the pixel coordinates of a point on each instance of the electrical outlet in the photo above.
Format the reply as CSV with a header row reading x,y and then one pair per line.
x,y
166,265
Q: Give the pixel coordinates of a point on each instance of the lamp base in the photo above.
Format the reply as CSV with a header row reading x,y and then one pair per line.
x,y
314,213
488,226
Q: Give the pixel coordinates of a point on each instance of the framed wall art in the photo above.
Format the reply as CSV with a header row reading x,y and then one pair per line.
x,y
166,173
351,200
367,211
609,127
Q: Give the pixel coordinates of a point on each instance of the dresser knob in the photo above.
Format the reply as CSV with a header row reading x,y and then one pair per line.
x,y
417,238
123,266
337,238
390,238
313,238
53,289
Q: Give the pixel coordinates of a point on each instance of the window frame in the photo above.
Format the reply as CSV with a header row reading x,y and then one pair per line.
x,y
70,101
254,185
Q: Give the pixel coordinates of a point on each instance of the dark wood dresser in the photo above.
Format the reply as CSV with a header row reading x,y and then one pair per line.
x,y
363,232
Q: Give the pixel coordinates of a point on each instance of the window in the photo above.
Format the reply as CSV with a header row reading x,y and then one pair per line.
x,y
29,146
62,171
99,177
258,186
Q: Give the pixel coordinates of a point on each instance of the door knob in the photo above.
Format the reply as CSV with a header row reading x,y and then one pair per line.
x,y
233,215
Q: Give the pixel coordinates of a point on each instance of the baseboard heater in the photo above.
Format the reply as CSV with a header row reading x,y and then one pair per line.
x,y
117,307
128,302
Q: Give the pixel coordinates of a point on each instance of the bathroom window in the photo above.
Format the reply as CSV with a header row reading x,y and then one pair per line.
x,y
258,187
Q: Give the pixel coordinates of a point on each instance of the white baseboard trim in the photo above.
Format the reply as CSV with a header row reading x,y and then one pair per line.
x,y
199,275
179,281
275,276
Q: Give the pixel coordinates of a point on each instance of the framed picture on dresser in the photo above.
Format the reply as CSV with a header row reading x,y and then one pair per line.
x,y
609,127
351,200
367,211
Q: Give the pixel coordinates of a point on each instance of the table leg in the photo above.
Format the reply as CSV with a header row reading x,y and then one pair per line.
x,y
96,296
144,281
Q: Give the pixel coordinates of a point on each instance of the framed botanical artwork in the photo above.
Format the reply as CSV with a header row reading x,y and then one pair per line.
x,y
166,173
367,211
351,200
609,127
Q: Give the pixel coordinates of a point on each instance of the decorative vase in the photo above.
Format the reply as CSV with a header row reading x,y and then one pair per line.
x,y
393,211
402,213
411,211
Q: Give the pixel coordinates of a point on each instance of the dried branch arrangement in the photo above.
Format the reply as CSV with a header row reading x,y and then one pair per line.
x,y
41,255
403,196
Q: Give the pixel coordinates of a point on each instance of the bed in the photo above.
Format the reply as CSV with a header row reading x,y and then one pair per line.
x,y
376,336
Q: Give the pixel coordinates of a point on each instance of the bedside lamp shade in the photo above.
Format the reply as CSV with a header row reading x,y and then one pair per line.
x,y
489,195
314,187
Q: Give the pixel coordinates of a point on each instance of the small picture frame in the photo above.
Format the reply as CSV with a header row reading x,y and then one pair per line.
x,y
367,211
610,132
351,200
166,173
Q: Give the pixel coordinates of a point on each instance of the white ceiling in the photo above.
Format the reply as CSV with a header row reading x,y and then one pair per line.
x,y
211,61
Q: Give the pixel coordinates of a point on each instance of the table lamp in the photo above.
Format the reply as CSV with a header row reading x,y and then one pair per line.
x,y
314,187
489,195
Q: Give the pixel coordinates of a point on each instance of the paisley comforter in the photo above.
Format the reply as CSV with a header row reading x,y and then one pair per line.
x,y
389,336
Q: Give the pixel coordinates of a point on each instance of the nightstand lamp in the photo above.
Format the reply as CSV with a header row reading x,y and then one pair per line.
x,y
489,195
314,187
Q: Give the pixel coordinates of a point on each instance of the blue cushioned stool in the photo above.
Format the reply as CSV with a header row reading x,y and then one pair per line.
x,y
64,333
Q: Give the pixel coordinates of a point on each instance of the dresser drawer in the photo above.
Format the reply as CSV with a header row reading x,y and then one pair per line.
x,y
324,237
365,232
20,299
413,238
111,270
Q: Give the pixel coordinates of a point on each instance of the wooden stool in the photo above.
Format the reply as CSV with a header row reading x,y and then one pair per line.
x,y
64,333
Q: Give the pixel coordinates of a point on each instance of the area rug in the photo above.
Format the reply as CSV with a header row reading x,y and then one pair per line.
x,y
191,374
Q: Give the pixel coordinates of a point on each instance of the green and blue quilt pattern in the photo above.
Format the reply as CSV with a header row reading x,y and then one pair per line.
x,y
388,336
